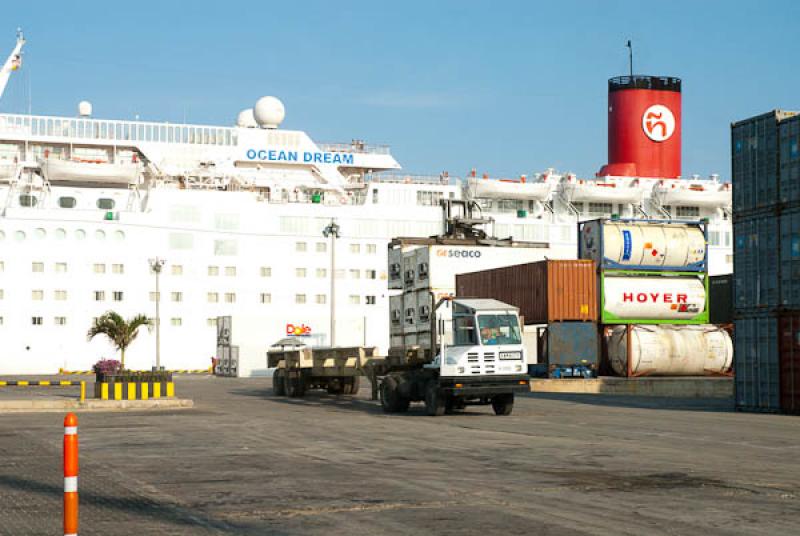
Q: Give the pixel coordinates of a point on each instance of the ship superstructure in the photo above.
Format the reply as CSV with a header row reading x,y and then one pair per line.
x,y
238,213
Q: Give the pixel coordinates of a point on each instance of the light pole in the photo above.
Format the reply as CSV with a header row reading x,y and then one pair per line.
x,y
332,231
156,264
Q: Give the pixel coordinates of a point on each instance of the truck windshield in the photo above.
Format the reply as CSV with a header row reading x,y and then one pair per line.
x,y
499,329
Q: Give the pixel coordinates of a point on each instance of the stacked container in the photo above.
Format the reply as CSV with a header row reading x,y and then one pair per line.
x,y
558,295
653,297
766,202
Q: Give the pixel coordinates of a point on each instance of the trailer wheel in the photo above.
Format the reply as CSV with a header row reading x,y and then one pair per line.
x,y
351,385
503,404
435,401
337,386
391,400
278,383
295,387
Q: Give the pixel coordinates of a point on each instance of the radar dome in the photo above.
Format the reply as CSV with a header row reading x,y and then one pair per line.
x,y
84,108
246,119
269,112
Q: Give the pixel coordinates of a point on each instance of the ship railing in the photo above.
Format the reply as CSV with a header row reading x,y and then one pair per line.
x,y
40,126
354,147
407,178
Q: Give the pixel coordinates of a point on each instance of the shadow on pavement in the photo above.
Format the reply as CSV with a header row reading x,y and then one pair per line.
x,y
723,405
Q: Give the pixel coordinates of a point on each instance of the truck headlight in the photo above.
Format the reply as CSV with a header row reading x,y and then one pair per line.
x,y
461,370
519,368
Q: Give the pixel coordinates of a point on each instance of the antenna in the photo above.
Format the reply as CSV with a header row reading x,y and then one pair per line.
x,y
630,55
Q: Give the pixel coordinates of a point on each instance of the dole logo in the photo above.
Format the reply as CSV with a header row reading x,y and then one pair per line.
x,y
298,331
658,122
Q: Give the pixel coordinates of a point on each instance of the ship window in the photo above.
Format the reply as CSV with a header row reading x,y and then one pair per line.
x,y
60,321
300,247
300,272
117,295
355,274
155,296
225,247
230,271
299,298
355,248
370,274
266,297
60,295
213,297
601,208
61,267
37,295
266,271
321,299
688,212
374,196
27,200
177,322
105,203
322,272
36,320
67,202
177,296
355,299
99,295
177,269
429,199
322,247
713,238
213,270
230,297
370,300
118,268
37,267
2,294
99,268
372,249
211,322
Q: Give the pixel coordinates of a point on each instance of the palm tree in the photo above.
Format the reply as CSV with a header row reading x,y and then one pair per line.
x,y
120,332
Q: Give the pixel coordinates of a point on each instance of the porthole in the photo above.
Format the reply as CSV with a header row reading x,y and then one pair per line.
x,y
27,200
61,234
2,235
105,203
100,234
119,236
19,236
40,233
67,202
80,234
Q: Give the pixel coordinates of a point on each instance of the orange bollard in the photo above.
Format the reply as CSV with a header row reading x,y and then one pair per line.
x,y
70,475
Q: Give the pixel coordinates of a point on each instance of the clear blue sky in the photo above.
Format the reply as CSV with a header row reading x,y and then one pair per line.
x,y
506,87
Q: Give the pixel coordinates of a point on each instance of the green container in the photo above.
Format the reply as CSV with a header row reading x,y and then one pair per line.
x,y
522,213
648,291
316,198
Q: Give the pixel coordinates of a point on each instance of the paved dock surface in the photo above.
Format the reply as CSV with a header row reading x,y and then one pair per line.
x,y
245,462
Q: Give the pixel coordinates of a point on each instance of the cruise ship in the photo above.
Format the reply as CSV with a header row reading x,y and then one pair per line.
x,y
238,214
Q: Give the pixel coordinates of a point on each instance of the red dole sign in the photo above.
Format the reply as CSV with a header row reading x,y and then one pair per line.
x,y
298,331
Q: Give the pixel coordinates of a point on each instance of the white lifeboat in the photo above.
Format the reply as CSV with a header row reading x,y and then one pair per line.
x,y
714,195
8,170
581,191
94,172
508,189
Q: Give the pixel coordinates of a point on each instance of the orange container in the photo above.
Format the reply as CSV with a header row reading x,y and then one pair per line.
x,y
545,291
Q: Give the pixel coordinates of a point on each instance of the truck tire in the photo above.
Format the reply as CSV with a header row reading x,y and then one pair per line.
x,y
337,386
351,385
435,401
391,400
503,404
295,387
278,383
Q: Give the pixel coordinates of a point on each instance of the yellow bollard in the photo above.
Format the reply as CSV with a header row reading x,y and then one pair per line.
x,y
22,383
117,391
145,390
104,391
157,390
170,389
44,383
131,391
83,392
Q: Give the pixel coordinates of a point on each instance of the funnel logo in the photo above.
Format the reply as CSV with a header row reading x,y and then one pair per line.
x,y
298,331
658,122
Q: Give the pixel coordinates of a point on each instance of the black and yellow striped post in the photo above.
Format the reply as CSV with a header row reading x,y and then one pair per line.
x,y
47,383
136,390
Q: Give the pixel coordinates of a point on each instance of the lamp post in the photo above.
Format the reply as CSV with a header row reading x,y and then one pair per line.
x,y
156,264
332,231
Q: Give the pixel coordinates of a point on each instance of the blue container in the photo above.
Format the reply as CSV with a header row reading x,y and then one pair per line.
x,y
756,274
571,344
790,259
789,156
756,363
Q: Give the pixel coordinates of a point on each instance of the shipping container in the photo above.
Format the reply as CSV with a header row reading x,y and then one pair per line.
x,y
644,245
790,259
756,363
755,162
668,350
545,292
789,149
789,347
653,298
755,263
720,299
568,344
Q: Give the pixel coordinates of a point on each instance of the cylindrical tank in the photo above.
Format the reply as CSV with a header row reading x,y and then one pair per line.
x,y
653,298
621,244
644,127
670,350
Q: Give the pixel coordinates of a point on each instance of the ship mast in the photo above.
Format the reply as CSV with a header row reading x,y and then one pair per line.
x,y
13,62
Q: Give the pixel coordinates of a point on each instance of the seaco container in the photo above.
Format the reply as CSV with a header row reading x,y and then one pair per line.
x,y
545,291
668,350
789,347
643,245
755,263
789,159
756,363
642,298
790,259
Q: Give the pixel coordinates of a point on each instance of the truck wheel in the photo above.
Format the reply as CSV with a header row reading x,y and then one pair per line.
x,y
391,399
295,387
503,404
337,386
351,385
435,402
278,384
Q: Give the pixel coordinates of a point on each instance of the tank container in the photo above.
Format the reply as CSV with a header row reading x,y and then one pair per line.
x,y
643,245
545,291
648,298
667,350
756,363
